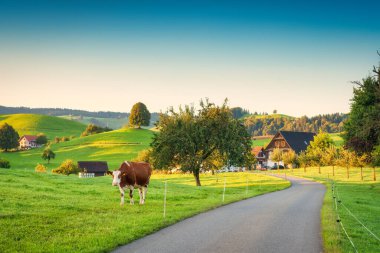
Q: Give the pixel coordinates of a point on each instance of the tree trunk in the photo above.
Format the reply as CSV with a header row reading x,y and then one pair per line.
x,y
361,173
196,176
333,171
348,173
48,161
374,174
319,169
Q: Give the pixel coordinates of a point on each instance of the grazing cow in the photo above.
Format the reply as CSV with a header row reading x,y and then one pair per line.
x,y
131,175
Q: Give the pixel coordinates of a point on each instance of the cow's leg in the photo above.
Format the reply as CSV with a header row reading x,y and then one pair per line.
x,y
141,195
144,190
131,188
121,195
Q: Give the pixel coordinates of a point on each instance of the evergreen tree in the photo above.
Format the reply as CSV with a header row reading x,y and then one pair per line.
x,y
8,137
363,126
140,116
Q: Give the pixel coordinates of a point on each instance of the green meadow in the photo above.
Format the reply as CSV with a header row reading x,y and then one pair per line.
x,y
44,212
356,200
50,126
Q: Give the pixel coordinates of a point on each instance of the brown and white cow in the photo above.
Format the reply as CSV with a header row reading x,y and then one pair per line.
x,y
132,175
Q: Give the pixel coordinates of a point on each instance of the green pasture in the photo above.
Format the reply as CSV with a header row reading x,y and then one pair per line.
x,y
50,126
360,197
261,142
44,212
113,147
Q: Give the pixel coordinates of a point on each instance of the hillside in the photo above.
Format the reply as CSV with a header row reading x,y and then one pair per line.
x,y
49,125
113,147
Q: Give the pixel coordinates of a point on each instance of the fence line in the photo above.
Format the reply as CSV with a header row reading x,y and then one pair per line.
x,y
377,238
339,219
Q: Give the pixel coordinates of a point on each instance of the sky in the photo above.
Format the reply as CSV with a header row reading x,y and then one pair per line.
x,y
296,57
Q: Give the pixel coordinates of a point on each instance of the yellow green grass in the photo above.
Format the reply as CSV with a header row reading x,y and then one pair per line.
x,y
361,198
50,126
43,212
113,147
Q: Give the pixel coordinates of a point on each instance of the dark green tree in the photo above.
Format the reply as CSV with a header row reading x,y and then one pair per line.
x,y
140,116
48,154
8,137
41,139
362,129
188,139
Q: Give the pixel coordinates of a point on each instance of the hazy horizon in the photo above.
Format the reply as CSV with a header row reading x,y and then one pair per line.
x,y
298,58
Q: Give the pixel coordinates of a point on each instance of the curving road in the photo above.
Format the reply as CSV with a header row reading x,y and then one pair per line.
x,y
283,221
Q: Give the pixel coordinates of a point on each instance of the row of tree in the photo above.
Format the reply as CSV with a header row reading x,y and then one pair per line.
x,y
323,152
270,125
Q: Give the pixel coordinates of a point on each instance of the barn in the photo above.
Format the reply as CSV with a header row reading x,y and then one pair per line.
x,y
99,168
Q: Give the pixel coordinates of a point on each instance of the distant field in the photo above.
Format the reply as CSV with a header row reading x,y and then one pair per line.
x,y
113,147
56,213
50,126
112,123
361,198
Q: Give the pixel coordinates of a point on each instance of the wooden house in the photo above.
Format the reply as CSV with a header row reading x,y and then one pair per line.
x,y
286,141
259,154
28,142
99,168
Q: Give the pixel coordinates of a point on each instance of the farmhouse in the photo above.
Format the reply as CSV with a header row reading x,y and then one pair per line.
x,y
28,141
99,168
286,141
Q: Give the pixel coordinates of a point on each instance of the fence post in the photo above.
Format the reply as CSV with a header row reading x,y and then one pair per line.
x,y
246,188
224,189
165,199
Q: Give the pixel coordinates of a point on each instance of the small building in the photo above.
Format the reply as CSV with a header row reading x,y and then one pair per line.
x,y
28,142
99,168
259,154
286,141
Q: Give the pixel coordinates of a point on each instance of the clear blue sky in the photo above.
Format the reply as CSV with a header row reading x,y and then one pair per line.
x,y
298,57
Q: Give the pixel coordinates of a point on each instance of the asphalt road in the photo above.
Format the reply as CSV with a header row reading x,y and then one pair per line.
x,y
283,221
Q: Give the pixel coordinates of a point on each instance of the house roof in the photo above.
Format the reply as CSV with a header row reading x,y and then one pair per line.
x,y
29,137
298,141
256,150
93,166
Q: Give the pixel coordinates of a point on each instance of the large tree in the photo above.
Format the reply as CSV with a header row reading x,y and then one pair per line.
x,y
8,137
191,139
318,147
140,116
362,129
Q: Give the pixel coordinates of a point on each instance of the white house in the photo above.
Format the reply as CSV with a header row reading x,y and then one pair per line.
x,y
28,141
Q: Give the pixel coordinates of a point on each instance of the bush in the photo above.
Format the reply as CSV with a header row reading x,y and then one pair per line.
x,y
40,168
67,167
57,139
41,139
64,138
4,164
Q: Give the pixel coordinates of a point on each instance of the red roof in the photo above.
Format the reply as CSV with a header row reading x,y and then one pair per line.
x,y
29,137
256,150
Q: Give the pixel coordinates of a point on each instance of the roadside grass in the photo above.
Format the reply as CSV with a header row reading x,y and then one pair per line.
x,y
49,125
44,212
361,198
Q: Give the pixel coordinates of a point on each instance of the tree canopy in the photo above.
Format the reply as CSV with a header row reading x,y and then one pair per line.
x,y
41,139
192,140
48,154
140,116
8,137
362,129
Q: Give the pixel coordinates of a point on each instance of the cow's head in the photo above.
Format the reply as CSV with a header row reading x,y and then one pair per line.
x,y
116,175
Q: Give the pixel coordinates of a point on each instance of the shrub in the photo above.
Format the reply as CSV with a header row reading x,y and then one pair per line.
x,y
40,168
65,138
4,164
67,167
41,139
57,139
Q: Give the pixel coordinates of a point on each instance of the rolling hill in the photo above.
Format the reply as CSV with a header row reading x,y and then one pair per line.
x,y
113,147
49,125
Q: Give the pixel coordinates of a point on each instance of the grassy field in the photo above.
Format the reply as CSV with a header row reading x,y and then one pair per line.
x,y
356,199
50,126
113,147
43,212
